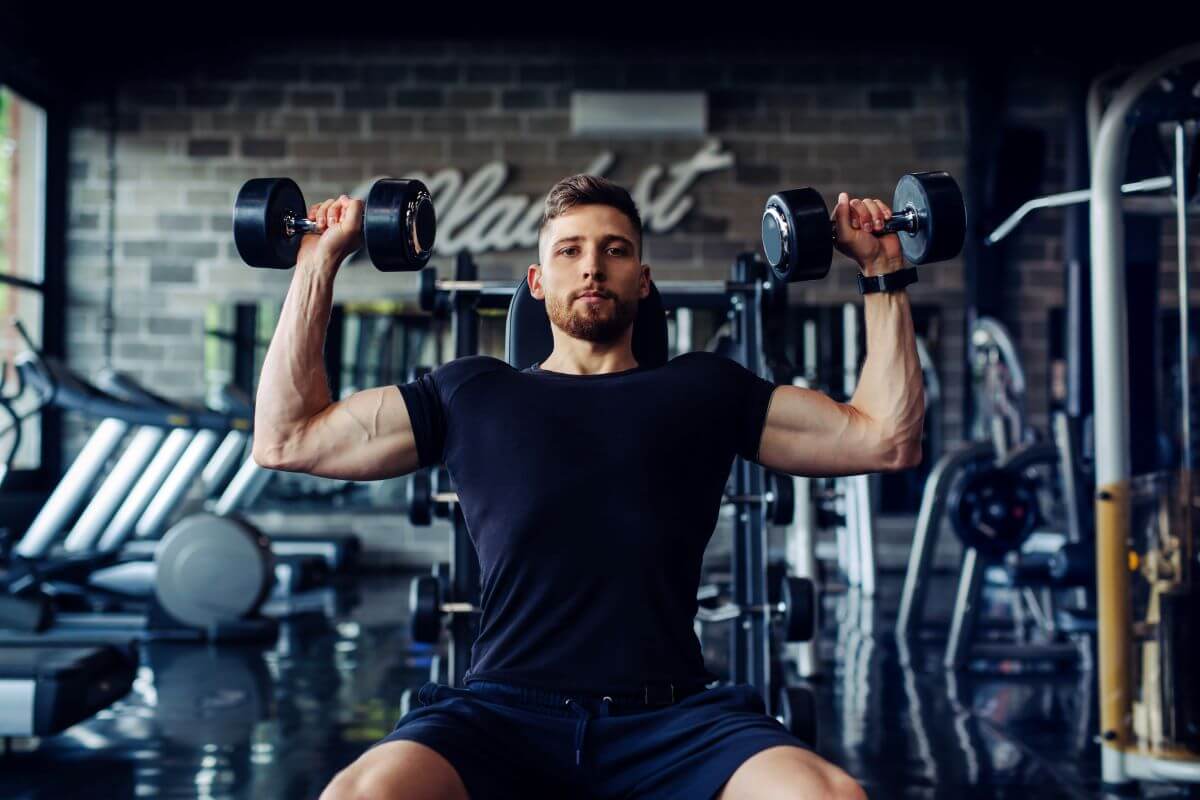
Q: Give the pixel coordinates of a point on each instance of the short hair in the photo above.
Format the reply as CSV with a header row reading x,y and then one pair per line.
x,y
584,190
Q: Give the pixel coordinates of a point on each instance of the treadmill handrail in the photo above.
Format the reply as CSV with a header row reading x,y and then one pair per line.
x,y
57,385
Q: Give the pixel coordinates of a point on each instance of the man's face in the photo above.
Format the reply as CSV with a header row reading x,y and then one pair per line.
x,y
591,274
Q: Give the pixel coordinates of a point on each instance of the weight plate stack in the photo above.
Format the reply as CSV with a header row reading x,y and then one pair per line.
x,y
258,222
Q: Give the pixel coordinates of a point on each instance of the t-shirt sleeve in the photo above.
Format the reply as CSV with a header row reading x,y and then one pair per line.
x,y
427,415
429,397
755,393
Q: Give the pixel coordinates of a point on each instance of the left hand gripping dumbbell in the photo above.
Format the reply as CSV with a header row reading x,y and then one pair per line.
x,y
927,212
399,223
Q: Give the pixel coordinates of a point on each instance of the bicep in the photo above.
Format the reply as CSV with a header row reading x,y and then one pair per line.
x,y
809,433
366,436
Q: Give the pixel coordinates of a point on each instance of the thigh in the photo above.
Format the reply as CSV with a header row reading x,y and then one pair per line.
x,y
496,751
688,750
789,773
398,769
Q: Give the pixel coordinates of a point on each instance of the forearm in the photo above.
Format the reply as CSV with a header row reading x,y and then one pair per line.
x,y
890,392
293,387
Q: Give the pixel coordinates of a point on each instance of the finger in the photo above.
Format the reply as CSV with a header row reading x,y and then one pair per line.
x,y
841,216
335,212
324,212
875,206
352,213
861,218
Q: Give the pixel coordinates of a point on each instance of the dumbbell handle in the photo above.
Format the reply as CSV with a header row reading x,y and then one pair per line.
x,y
293,225
730,611
767,497
459,608
906,221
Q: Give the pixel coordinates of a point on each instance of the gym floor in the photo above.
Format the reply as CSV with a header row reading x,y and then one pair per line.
x,y
251,723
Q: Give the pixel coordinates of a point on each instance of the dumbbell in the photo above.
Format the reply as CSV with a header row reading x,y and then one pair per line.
x,y
429,497
927,211
399,224
780,497
797,608
425,603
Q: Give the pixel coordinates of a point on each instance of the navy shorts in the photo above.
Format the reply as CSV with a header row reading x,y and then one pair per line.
x,y
509,741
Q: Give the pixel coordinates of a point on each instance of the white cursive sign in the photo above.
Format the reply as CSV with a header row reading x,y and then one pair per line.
x,y
473,215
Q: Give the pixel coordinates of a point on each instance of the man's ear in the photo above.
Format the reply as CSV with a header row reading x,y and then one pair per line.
x,y
534,279
644,291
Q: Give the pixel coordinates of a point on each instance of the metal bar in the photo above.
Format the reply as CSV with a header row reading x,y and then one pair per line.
x,y
13,280
108,498
1069,199
966,609
121,525
1185,361
72,490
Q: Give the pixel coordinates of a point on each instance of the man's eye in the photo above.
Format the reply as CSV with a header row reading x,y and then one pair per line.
x,y
617,251
567,251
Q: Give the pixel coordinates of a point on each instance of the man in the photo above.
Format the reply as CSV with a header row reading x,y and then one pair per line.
x,y
590,485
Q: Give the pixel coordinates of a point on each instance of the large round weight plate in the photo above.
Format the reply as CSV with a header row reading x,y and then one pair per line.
x,y
420,498
993,510
782,508
799,598
425,602
797,236
938,201
400,225
258,222
798,713
212,570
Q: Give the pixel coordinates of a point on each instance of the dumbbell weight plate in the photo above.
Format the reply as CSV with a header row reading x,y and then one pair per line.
x,y
427,288
782,508
442,485
400,225
798,713
796,235
425,603
799,598
258,214
420,498
939,204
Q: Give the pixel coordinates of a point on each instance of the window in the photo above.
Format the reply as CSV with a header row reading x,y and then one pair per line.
x,y
22,255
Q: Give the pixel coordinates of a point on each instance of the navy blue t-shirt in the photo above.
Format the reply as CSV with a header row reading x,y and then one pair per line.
x,y
590,500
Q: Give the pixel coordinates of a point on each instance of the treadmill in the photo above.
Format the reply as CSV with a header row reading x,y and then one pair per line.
x,y
47,688
340,552
206,588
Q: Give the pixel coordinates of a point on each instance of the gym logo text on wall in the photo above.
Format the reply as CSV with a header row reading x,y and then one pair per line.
x,y
474,216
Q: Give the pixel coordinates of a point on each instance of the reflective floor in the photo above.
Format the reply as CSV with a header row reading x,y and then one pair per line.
x,y
278,723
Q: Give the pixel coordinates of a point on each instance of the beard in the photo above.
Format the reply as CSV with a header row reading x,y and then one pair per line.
x,y
601,322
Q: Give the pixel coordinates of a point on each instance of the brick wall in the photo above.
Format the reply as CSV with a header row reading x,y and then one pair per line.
x,y
334,116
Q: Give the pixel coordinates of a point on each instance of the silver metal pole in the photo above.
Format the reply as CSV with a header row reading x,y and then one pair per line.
x,y
1184,328
74,487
